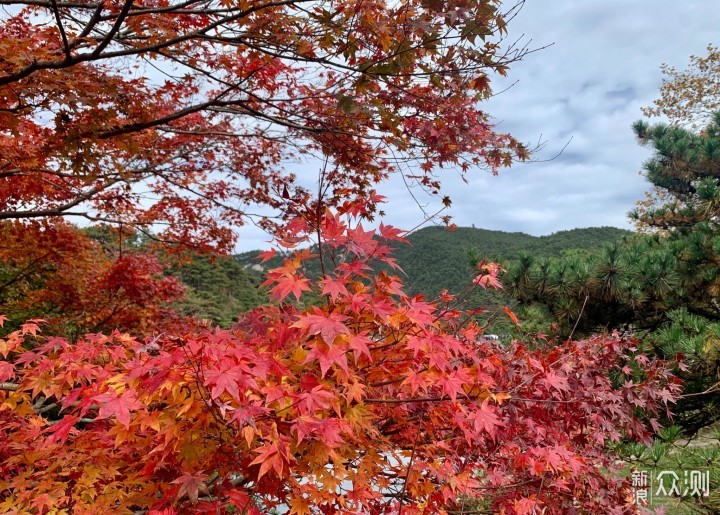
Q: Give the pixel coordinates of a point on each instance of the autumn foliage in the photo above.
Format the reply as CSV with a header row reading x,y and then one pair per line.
x,y
185,120
55,272
179,119
373,402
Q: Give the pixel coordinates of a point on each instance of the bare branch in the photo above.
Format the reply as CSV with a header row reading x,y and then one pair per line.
x,y
9,387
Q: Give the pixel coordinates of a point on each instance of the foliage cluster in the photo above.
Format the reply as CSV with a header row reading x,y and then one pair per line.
x,y
179,117
374,401
55,272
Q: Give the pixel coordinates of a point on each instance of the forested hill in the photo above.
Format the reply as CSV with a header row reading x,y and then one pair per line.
x,y
438,258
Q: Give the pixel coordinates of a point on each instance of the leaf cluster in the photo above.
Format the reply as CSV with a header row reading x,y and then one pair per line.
x,y
177,119
80,284
373,401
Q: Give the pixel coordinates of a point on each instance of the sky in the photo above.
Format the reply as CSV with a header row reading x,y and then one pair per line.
x,y
579,96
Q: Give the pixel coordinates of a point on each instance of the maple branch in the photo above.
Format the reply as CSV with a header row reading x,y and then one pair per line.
x,y
66,45
43,409
59,210
48,4
557,401
405,401
407,476
83,420
94,19
227,106
172,9
115,28
36,65
261,134
201,195
321,178
154,237
9,387
139,126
712,389
388,381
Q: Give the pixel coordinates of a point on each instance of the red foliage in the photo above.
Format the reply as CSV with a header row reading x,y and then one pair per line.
x,y
180,115
373,402
58,273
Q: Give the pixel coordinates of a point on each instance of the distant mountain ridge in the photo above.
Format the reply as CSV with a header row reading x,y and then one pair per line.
x,y
438,258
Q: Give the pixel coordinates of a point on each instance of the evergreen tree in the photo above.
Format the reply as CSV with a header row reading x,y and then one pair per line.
x,y
663,286
218,290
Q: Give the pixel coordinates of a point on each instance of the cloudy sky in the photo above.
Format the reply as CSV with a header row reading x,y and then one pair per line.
x,y
584,91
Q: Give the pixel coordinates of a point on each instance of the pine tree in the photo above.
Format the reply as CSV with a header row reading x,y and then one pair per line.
x,y
663,286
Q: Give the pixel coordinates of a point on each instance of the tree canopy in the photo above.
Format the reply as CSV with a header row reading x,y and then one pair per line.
x,y
690,97
178,118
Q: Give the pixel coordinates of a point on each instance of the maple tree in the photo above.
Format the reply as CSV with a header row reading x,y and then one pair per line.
x,y
177,118
373,402
58,273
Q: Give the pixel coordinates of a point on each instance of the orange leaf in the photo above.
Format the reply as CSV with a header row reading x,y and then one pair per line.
x,y
512,316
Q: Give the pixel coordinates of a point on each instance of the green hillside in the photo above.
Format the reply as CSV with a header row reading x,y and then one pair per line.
x,y
440,259
218,291
437,258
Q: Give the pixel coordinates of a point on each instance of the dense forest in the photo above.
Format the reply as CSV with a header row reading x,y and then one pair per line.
x,y
219,290
437,258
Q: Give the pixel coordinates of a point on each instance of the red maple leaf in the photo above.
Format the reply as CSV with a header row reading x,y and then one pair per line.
x,y
239,499
328,356
267,255
271,456
60,431
484,418
334,288
118,406
525,506
32,327
287,284
328,327
227,381
552,380
191,485
7,371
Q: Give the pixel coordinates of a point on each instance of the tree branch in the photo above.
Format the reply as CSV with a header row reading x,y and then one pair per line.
x,y
9,387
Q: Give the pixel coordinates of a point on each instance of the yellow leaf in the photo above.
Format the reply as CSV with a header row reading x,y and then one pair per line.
x,y
249,434
299,355
501,397
299,505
